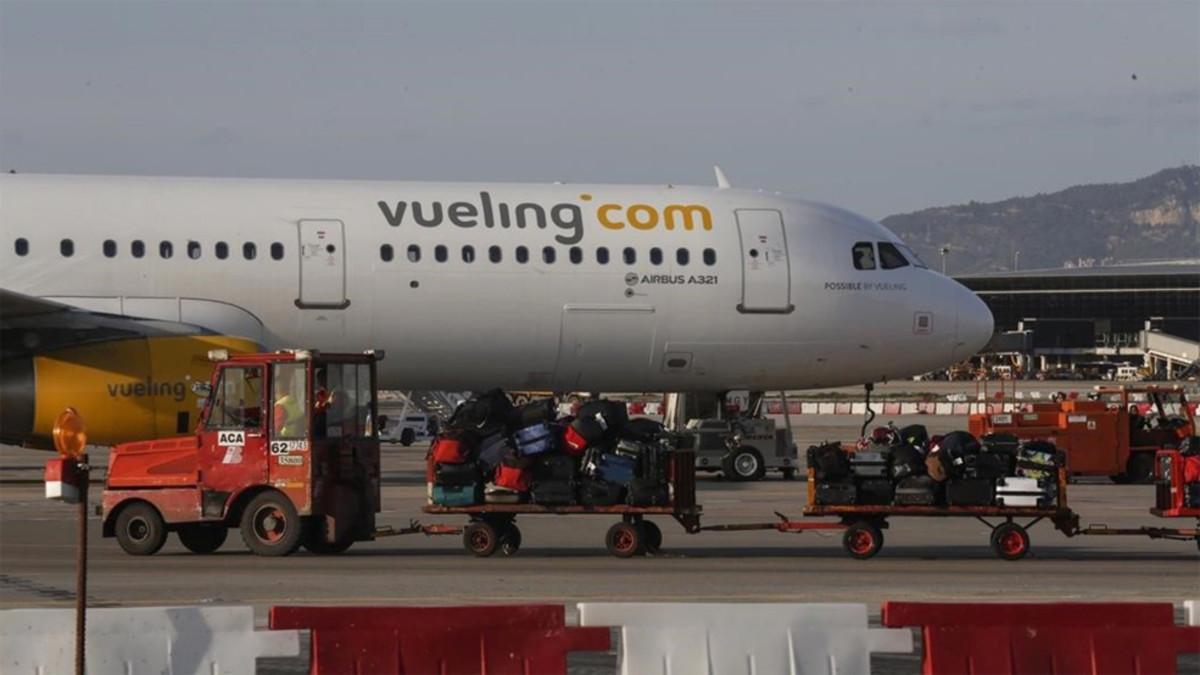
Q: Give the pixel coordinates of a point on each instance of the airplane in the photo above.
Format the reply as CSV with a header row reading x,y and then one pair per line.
x,y
113,289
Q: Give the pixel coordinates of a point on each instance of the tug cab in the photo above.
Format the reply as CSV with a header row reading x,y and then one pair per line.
x,y
286,451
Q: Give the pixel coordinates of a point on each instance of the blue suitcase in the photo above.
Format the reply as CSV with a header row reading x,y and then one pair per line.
x,y
462,495
533,433
615,469
536,439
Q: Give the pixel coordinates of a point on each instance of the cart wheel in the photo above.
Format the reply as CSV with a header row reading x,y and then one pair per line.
x,y
316,543
624,540
480,539
140,529
203,538
271,526
862,540
652,536
1010,541
510,539
743,464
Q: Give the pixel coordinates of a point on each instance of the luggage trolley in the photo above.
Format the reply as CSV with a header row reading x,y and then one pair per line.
x,y
493,527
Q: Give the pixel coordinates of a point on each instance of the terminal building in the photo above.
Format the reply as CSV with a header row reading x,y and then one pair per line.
x,y
1095,319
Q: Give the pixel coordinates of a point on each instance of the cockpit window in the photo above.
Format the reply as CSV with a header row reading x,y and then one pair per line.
x,y
913,257
864,256
890,257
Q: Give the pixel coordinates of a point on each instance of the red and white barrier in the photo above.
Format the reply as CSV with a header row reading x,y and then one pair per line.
x,y
730,638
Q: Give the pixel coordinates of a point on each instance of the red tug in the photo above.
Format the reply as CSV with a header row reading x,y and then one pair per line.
x,y
286,450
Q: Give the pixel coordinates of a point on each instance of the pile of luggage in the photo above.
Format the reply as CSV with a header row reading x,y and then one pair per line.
x,y
906,467
493,452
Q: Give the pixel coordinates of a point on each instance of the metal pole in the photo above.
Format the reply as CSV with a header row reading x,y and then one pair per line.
x,y
81,569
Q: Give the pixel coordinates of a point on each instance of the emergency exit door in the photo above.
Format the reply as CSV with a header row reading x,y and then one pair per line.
x,y
322,265
766,276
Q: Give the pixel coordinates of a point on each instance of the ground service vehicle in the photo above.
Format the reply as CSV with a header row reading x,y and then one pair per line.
x,y
743,448
286,451
1114,435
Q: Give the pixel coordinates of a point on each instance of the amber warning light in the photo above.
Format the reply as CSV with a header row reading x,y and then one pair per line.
x,y
63,474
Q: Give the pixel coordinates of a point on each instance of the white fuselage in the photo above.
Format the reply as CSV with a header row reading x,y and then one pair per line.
x,y
781,306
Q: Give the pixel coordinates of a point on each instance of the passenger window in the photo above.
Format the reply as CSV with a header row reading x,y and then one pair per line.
x,y
890,257
137,248
468,254
385,253
548,255
522,255
576,255
249,251
494,254
630,256
166,250
710,257
21,246
864,256
414,253
277,251
441,253
682,257
602,255
110,248
656,257
66,247
237,400
222,250
193,249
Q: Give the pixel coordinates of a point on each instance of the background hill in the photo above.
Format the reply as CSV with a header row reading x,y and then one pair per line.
x,y
1152,218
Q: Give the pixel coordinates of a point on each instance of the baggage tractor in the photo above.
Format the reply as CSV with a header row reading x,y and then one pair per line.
x,y
461,495
830,494
457,475
613,468
499,495
907,460
493,450
553,467
1021,492
593,492
869,464
970,492
916,491
553,492
876,491
1192,498
829,462
648,492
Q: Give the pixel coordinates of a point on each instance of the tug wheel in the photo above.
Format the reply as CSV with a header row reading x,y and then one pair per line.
x,y
270,525
1010,541
862,540
140,529
625,540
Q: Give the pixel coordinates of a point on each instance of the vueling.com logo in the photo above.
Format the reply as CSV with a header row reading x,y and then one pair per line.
x,y
565,216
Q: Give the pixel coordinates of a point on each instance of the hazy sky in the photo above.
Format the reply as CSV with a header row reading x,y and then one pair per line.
x,y
877,107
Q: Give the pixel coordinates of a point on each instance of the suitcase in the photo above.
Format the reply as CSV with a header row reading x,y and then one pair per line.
x,y
907,461
499,495
970,492
457,475
631,448
829,462
1002,443
644,429
449,450
553,467
553,492
869,464
935,466
512,478
461,495
916,491
986,465
489,410
573,442
831,494
614,469
612,415
533,433
589,429
648,492
1037,459
538,410
594,492
493,450
876,491
1021,492
915,434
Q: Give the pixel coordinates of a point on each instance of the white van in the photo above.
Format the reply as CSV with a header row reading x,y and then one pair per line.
x,y
1128,373
406,430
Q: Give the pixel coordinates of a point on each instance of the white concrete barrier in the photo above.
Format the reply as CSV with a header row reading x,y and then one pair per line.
x,y
751,638
131,641
1191,610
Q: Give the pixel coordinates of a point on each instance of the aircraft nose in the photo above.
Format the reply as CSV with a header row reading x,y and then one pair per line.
x,y
975,323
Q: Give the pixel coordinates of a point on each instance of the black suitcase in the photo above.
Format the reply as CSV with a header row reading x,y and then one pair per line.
x,y
457,475
538,410
907,461
589,428
553,466
870,463
970,492
987,465
594,492
831,494
553,492
1002,443
612,415
916,491
644,429
648,492
486,411
915,434
876,491
829,462
493,450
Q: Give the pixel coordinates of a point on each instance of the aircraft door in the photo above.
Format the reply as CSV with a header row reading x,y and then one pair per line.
x,y
766,277
322,265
